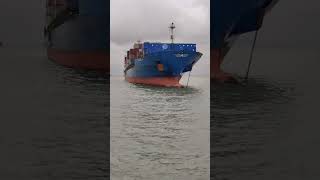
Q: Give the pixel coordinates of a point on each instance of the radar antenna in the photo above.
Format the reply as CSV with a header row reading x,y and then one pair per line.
x,y
172,27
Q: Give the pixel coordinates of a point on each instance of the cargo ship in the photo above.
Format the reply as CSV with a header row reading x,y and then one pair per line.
x,y
229,20
160,64
77,33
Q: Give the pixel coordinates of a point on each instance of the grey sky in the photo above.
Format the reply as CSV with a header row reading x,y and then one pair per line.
x,y
292,23
148,20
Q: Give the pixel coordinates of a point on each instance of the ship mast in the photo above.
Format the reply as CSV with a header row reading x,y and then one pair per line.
x,y
172,27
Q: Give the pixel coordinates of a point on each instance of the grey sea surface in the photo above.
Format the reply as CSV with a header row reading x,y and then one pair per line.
x,y
54,120
160,133
268,128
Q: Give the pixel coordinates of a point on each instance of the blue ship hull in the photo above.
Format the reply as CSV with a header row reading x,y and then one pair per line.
x,y
164,68
230,19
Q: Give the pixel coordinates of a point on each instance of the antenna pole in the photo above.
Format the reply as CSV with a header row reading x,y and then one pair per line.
x,y
172,27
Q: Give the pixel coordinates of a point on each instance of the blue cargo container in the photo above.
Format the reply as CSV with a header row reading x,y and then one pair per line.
x,y
156,47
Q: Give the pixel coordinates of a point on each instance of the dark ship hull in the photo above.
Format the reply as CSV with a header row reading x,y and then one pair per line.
x,y
77,32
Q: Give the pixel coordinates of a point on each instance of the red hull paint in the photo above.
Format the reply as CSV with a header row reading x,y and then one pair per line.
x,y
217,74
156,81
89,60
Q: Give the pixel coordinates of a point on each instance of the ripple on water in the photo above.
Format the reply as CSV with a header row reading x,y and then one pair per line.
x,y
244,120
155,131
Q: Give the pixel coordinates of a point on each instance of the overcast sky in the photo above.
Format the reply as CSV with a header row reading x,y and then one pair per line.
x,y
148,20
291,24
